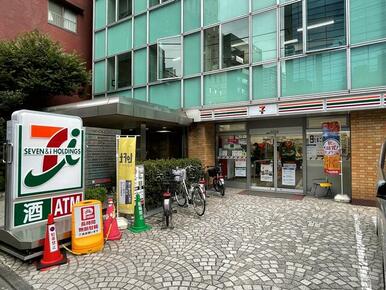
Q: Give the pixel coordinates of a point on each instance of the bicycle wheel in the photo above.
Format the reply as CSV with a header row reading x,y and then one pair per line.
x,y
167,220
216,185
222,190
198,201
180,195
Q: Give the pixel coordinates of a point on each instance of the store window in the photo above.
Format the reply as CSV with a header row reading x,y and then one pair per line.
x,y
325,24
124,70
232,152
211,48
169,58
315,153
291,30
61,16
235,43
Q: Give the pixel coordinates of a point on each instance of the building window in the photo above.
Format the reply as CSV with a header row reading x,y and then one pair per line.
x,y
156,2
235,47
118,9
169,58
62,17
325,24
211,48
111,74
124,70
152,63
291,30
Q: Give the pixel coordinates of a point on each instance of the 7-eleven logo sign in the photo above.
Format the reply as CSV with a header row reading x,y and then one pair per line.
x,y
48,152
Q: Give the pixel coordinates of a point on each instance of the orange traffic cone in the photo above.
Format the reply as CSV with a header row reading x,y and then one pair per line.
x,y
51,254
110,225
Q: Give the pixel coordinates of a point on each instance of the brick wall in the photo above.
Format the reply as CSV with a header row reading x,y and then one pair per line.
x,y
368,131
202,142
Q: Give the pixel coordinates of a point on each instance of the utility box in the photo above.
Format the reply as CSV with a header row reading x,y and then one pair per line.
x,y
44,156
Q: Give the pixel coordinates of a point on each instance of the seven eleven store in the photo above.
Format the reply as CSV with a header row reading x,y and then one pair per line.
x,y
278,148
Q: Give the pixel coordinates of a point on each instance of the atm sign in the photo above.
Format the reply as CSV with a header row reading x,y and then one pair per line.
x,y
61,206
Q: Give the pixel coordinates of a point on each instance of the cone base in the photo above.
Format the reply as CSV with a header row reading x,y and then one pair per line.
x,y
44,264
140,229
115,237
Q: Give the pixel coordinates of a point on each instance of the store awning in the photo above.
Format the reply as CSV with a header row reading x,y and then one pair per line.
x,y
122,113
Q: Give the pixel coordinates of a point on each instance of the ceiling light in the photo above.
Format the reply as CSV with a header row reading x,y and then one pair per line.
x,y
317,25
163,131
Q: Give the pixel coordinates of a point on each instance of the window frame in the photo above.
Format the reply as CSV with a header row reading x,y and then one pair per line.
x,y
115,73
63,19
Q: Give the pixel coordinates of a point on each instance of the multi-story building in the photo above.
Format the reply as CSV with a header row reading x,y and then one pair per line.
x,y
67,21
258,78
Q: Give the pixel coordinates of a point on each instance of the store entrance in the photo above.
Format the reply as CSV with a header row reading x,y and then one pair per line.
x,y
277,159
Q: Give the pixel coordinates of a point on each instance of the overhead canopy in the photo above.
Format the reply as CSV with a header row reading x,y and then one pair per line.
x,y
122,113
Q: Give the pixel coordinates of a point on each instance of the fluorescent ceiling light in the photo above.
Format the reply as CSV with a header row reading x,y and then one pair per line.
x,y
318,25
290,41
163,131
238,44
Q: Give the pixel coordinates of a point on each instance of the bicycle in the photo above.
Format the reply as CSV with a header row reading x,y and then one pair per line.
x,y
167,200
194,195
218,179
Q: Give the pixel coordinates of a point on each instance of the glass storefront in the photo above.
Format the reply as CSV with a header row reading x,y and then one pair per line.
x,y
280,158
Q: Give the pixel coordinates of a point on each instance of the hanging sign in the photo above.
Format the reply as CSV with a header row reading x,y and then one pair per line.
x,y
289,174
266,172
126,173
331,148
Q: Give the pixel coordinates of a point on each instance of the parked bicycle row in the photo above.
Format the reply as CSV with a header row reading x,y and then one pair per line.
x,y
187,192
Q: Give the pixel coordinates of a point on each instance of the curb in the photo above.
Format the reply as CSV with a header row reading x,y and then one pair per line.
x,y
12,280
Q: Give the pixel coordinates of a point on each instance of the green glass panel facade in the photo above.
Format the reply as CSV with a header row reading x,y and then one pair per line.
x,y
192,92
140,94
368,66
260,4
226,87
100,51
264,81
192,54
139,67
192,14
165,21
122,94
222,10
100,14
119,38
264,36
317,73
167,94
99,77
368,21
139,6
140,31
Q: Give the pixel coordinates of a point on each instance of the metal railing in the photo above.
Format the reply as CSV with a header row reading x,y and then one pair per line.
x,y
60,21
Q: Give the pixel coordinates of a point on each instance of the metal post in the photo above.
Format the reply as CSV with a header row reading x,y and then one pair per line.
x,y
143,142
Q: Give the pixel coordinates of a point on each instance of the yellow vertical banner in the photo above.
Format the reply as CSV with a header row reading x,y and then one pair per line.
x,y
126,147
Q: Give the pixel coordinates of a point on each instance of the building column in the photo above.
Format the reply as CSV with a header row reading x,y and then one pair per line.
x,y
368,132
202,142
143,142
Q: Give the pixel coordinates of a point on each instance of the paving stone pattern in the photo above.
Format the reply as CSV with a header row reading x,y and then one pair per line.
x,y
242,242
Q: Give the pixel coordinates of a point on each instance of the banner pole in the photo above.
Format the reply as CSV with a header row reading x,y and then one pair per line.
x,y
116,172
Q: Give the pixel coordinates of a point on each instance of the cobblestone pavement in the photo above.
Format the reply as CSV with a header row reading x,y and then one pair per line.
x,y
242,242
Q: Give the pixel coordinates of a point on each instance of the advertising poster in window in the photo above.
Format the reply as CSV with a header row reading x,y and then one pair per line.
x,y
331,148
266,172
289,174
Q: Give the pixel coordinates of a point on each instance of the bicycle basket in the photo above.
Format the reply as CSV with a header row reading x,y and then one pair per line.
x,y
179,174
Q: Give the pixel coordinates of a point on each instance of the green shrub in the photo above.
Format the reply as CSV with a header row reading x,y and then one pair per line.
x,y
154,187
97,193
